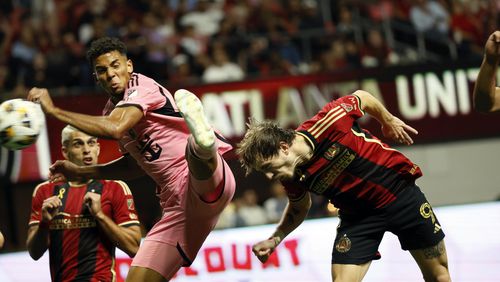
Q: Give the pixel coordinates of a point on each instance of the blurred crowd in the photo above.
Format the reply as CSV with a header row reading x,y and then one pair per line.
x,y
248,210
43,43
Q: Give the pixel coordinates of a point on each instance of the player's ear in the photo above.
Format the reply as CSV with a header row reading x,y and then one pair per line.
x,y
64,151
284,146
130,66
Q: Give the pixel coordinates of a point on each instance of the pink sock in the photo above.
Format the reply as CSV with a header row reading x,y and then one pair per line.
x,y
199,151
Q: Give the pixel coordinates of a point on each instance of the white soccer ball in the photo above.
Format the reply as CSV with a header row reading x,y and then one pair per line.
x,y
20,123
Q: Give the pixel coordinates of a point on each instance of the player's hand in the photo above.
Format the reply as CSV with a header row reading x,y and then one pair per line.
x,y
492,48
50,208
264,249
398,131
42,97
63,170
93,202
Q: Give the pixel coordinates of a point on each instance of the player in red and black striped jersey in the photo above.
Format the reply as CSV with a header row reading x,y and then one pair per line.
x,y
372,184
82,222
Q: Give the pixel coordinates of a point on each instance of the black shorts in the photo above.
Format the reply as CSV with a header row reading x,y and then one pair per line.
x,y
409,217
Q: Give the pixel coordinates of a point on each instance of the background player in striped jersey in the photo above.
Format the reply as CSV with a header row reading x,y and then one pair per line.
x,y
486,93
372,184
168,138
81,222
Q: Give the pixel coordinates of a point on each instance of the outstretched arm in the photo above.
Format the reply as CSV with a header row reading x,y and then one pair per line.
x,y
294,214
486,94
113,126
392,127
124,168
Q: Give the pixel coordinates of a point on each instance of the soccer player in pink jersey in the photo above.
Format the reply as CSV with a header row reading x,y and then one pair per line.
x,y
486,93
167,138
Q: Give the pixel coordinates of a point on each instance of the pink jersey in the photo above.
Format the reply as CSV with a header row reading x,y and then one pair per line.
x,y
158,143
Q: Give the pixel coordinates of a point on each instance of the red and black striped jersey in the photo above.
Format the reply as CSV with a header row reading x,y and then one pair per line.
x,y
78,249
350,166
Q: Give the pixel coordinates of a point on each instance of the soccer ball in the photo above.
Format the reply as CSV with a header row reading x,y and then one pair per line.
x,y
20,123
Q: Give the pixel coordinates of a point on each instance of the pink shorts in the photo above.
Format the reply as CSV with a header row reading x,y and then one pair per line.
x,y
177,237
160,257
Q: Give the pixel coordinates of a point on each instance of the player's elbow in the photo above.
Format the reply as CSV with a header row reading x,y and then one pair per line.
x,y
34,254
133,246
117,133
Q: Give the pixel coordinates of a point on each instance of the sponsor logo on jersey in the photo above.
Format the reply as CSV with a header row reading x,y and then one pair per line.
x,y
73,222
346,107
328,175
130,204
331,152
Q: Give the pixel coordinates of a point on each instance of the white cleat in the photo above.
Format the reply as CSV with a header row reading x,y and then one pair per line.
x,y
191,109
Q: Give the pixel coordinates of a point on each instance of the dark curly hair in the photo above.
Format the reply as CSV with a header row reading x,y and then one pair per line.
x,y
105,45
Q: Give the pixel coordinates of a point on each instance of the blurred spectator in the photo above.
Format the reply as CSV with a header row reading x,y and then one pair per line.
x,y
276,204
375,51
23,51
345,26
181,72
227,218
2,240
249,212
287,51
205,18
467,29
257,56
192,43
334,58
222,69
319,207
431,18
156,32
352,53
231,38
310,16
91,24
263,38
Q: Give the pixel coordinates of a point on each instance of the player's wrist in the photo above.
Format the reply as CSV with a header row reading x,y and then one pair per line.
x,y
277,237
51,111
100,216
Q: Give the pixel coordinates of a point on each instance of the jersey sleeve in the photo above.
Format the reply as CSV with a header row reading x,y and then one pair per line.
x,y
352,105
124,213
36,204
145,98
337,115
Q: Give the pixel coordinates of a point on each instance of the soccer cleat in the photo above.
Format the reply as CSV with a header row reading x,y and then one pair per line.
x,y
192,110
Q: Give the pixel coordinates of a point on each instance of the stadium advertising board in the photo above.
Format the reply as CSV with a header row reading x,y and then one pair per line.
x,y
305,255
